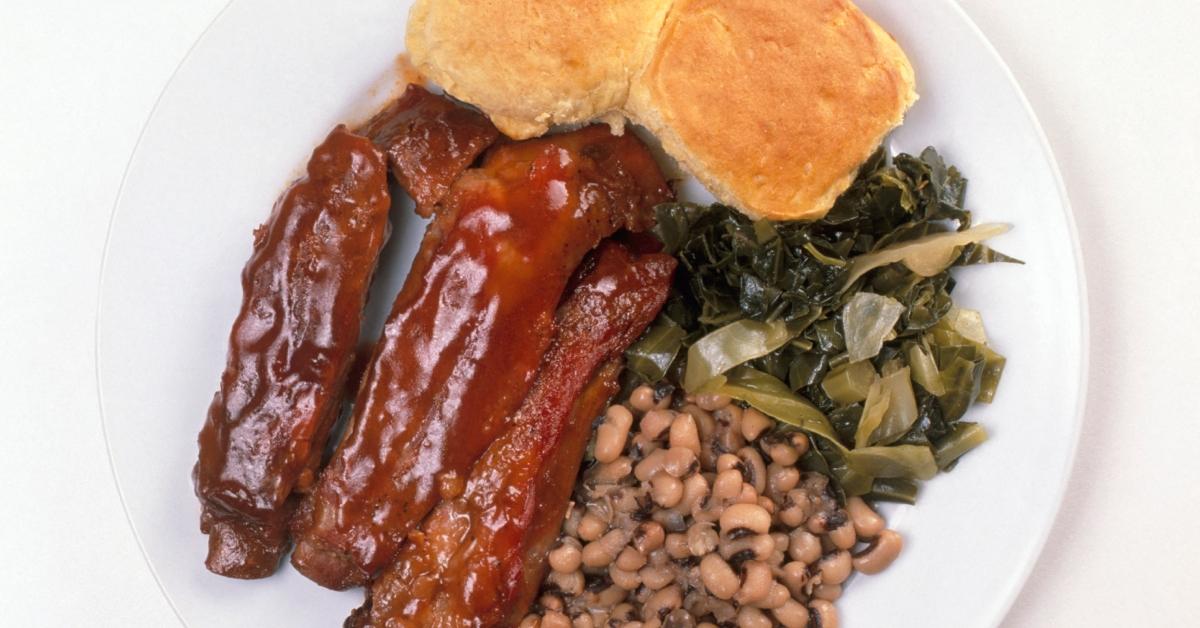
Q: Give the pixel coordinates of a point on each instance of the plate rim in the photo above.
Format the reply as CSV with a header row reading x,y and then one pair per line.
x,y
1019,578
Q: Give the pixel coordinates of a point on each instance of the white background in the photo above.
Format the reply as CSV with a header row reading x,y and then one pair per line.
x,y
1115,83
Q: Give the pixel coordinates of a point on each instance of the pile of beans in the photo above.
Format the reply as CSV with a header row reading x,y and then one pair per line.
x,y
695,514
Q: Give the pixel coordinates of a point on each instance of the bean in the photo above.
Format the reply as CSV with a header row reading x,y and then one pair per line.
x,y
655,422
747,496
749,516
723,611
695,489
783,453
828,592
648,537
781,479
530,621
610,442
568,583
766,503
843,536
702,539
707,511
867,523
825,612
612,472
684,433
712,401
754,423
651,464
642,445
791,614
656,577
627,580
778,595
818,523
793,514
679,461
800,442
642,399
677,546
610,596
668,597
756,584
705,423
679,618
603,551
760,546
794,575
630,559
750,617
804,546
622,612
592,527
718,577
566,557
835,567
551,602
881,553
728,432
727,485
667,491
756,471
583,621
726,462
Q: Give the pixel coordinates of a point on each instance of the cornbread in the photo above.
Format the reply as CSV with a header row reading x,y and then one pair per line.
x,y
533,64
772,104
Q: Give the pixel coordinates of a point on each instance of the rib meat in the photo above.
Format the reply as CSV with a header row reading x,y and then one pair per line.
x,y
291,347
429,141
478,558
465,336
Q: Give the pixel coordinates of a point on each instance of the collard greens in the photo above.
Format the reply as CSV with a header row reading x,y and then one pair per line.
x,y
844,328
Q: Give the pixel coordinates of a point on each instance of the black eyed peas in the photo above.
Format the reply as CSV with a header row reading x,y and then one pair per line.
x,y
867,523
696,513
882,551
826,613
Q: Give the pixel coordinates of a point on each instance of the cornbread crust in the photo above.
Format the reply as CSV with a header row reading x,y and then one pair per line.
x,y
773,104
533,64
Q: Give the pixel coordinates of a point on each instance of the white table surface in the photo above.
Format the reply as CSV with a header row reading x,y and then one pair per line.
x,y
1116,84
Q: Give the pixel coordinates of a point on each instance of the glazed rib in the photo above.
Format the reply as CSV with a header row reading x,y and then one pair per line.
x,y
479,558
465,336
429,141
304,289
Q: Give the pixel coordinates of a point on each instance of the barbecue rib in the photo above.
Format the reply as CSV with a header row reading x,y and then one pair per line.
x,y
429,141
465,337
292,344
479,558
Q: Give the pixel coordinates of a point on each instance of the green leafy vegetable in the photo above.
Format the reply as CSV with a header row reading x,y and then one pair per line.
x,y
652,355
844,328
731,345
868,319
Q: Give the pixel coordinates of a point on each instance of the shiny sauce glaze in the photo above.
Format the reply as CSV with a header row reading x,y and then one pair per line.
x,y
429,141
478,559
292,344
465,336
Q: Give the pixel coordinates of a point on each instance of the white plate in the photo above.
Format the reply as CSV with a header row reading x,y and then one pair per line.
x,y
270,77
